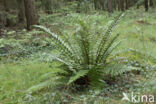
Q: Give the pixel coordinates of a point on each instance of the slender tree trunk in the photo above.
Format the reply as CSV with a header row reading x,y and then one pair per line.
x,y
122,5
138,6
110,7
21,11
30,13
114,4
48,6
99,4
5,5
127,4
119,7
102,4
95,4
146,5
151,3
78,6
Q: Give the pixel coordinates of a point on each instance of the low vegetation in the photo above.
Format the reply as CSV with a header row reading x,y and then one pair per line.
x,y
82,57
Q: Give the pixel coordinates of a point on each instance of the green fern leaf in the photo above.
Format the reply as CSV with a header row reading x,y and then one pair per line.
x,y
66,48
107,35
40,86
78,75
115,69
106,48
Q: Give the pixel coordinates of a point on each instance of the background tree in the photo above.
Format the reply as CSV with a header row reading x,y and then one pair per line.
x,y
146,5
21,13
127,4
110,7
151,3
122,5
78,5
47,5
95,4
30,13
5,5
11,8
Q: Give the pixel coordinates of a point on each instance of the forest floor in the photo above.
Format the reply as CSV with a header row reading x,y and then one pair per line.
x,y
25,61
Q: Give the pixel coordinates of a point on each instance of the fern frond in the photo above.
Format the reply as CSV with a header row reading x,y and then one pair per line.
x,y
83,41
95,77
66,48
107,35
40,86
72,44
77,76
115,69
110,50
107,47
68,63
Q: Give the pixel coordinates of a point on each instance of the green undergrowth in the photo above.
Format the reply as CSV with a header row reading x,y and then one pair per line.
x,y
27,67
17,78
26,82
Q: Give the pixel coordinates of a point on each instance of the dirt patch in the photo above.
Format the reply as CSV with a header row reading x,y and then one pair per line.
x,y
142,22
152,39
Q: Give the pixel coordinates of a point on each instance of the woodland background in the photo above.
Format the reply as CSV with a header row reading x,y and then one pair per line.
x,y
77,51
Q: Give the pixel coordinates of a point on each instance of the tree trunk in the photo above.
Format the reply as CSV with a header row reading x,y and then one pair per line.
x,y
118,4
99,4
151,3
110,7
95,5
78,6
47,5
146,5
115,4
5,6
122,5
127,4
30,13
102,2
21,11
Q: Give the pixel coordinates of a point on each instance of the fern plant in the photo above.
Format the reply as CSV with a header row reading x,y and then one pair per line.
x,y
85,55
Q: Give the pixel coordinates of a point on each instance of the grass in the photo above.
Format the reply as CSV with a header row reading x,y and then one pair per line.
x,y
138,30
15,79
